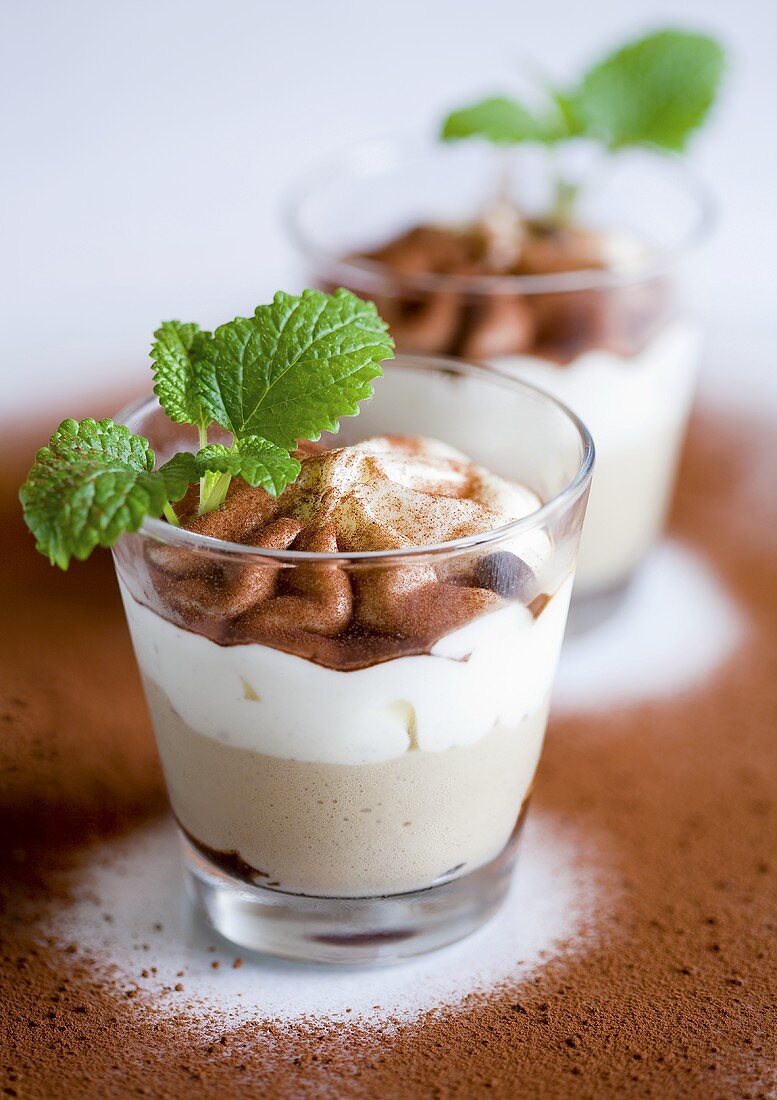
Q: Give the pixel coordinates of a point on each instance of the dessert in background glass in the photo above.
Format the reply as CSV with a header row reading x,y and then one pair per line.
x,y
593,315
350,684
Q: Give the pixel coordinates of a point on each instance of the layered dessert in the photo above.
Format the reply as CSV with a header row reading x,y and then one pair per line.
x,y
611,344
347,637
360,726
541,235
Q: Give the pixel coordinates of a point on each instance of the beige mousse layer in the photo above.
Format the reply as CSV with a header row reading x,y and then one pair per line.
x,y
341,830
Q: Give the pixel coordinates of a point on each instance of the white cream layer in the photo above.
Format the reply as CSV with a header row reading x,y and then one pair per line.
x,y
496,669
636,410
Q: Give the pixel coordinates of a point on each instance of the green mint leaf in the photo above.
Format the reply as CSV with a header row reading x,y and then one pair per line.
x,y
568,123
263,463
499,120
174,353
178,474
93,482
257,461
654,91
290,371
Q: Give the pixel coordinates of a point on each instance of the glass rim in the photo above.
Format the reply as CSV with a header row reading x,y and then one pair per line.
x,y
163,532
375,155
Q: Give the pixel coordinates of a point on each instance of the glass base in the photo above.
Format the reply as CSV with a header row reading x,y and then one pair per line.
x,y
377,930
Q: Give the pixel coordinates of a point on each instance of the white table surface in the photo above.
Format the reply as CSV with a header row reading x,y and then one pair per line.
x,y
147,147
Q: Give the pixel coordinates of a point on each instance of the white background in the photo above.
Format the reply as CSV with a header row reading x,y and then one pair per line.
x,y
148,145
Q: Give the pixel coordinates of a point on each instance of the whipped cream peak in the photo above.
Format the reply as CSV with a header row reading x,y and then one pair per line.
x,y
391,492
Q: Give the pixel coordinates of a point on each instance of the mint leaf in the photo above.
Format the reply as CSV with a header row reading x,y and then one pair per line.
x,y
568,123
654,91
500,120
290,371
257,461
263,463
287,373
174,353
93,482
179,473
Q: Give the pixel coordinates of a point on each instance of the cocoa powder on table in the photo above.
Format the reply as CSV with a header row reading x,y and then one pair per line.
x,y
674,997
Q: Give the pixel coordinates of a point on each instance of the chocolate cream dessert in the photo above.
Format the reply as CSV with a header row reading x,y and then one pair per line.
x,y
558,327
359,729
611,345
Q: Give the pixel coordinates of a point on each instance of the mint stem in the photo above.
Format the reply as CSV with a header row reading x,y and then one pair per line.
x,y
504,189
202,432
565,193
170,515
216,494
222,488
565,200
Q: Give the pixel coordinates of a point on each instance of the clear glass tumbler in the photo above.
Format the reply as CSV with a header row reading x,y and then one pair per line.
x,y
614,342
353,790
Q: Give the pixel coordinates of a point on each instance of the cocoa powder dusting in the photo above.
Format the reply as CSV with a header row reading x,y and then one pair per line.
x,y
673,998
385,493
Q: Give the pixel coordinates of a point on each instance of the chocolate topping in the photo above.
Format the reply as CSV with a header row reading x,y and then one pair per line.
x,y
507,575
559,325
381,494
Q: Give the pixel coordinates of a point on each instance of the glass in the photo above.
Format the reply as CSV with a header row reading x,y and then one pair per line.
x,y
351,786
613,343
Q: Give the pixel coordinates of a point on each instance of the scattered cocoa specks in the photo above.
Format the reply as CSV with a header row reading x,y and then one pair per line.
x,y
617,1018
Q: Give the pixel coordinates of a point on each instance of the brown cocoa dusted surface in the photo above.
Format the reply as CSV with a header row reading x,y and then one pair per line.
x,y
389,493
556,325
677,1000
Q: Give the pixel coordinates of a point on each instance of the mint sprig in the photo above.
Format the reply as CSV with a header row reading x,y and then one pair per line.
x,y
287,373
290,371
257,461
94,481
499,120
655,91
176,349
